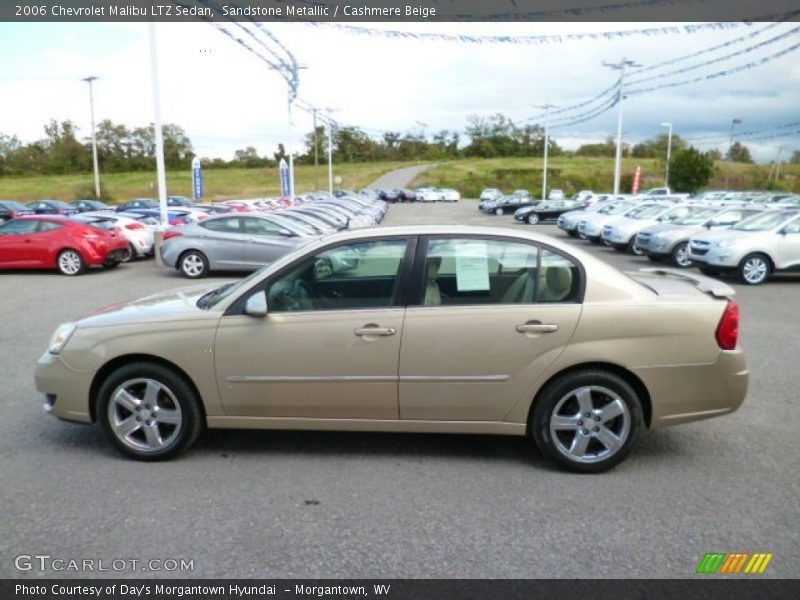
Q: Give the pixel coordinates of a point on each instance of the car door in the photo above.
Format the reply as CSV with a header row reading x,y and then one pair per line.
x,y
329,345
222,242
263,242
787,255
16,243
491,316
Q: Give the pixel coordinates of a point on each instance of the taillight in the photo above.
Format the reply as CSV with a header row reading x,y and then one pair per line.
x,y
171,234
134,226
175,222
728,328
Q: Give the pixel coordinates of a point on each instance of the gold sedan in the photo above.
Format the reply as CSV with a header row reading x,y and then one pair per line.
x,y
424,329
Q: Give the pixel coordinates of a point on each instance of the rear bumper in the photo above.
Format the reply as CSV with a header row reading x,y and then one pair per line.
x,y
682,394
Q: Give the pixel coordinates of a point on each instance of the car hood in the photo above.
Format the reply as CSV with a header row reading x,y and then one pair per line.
x,y
178,304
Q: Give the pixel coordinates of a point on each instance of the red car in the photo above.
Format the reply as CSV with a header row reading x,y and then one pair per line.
x,y
52,242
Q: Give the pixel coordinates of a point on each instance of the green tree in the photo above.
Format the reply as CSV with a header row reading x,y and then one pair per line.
x,y
690,170
738,152
795,159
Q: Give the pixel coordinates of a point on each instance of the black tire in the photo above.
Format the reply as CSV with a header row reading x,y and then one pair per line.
x,y
533,219
193,264
558,396
754,269
633,248
129,255
498,211
111,265
573,234
679,256
70,262
179,438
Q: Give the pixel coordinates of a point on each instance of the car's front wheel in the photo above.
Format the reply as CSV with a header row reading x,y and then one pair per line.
x,y
587,421
533,219
193,264
149,412
498,211
680,256
754,269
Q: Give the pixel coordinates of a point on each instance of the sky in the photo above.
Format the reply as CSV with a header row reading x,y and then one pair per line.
x,y
226,98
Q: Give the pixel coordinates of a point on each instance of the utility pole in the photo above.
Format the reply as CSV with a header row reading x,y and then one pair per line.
x,y
546,108
329,122
729,158
620,66
669,152
89,80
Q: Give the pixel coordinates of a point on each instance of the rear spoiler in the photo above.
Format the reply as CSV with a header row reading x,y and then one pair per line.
x,y
707,285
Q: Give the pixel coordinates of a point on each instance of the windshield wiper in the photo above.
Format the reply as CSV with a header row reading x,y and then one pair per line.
x,y
205,301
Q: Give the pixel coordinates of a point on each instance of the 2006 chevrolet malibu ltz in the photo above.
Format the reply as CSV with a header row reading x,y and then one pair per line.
x,y
425,329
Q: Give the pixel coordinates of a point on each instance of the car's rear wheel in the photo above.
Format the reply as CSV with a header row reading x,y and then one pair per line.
x,y
533,219
680,256
129,254
754,269
70,262
587,421
498,211
149,412
193,264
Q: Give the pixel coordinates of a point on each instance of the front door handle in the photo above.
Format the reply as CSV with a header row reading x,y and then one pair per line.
x,y
537,327
374,330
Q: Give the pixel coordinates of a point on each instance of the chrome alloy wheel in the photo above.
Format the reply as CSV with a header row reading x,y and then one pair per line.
x,y
192,265
590,424
755,270
144,415
682,256
70,262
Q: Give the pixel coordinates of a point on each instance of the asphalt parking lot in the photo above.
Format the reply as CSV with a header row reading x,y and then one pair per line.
x,y
289,504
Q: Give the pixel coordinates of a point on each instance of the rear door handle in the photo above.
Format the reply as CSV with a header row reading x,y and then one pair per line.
x,y
374,330
537,327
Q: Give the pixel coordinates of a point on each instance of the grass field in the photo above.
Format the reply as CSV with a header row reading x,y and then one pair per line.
x,y
469,176
219,184
573,174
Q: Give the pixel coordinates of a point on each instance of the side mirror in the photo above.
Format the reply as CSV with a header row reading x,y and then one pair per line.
x,y
286,233
256,305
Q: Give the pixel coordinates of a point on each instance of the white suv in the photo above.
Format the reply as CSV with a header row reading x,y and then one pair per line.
x,y
754,248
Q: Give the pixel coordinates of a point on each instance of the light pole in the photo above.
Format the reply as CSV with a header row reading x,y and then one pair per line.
x,y
89,80
620,66
329,123
159,134
546,108
734,123
669,152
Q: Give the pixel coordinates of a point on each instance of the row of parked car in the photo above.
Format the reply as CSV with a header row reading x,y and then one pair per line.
x,y
750,234
719,236
229,235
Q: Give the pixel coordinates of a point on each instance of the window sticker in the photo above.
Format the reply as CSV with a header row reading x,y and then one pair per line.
x,y
472,268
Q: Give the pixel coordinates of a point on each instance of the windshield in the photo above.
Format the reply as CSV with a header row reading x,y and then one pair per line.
x,y
319,226
696,216
293,225
764,222
646,212
11,205
614,209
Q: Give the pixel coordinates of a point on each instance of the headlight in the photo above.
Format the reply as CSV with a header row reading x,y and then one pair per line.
x,y
61,337
727,243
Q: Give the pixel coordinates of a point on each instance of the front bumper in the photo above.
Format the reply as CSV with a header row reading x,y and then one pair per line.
x,y
66,389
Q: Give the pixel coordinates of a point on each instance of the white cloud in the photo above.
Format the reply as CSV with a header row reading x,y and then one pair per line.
x,y
226,98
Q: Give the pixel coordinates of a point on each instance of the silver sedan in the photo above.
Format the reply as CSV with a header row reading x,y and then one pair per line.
x,y
232,243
